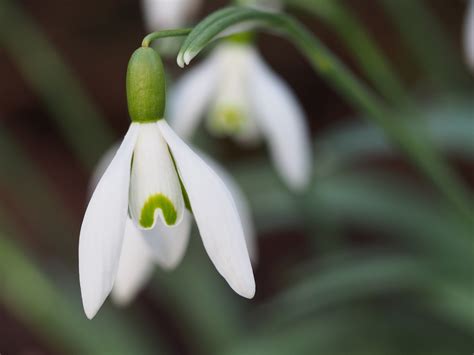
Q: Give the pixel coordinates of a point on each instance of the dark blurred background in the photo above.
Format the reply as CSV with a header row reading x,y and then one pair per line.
x,y
319,279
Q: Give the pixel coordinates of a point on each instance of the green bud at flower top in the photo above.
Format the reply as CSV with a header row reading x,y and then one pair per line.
x,y
146,87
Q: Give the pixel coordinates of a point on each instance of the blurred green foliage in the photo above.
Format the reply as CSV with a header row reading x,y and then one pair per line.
x,y
410,290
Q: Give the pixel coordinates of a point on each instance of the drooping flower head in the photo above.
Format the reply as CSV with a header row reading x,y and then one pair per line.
x,y
154,181
239,96
162,246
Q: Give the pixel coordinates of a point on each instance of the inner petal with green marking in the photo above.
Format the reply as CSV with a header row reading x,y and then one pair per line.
x,y
155,202
227,119
155,190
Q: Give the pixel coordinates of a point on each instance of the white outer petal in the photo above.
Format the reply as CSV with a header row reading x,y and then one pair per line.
x,y
101,166
241,203
135,266
168,14
282,121
103,228
190,96
168,245
216,215
469,35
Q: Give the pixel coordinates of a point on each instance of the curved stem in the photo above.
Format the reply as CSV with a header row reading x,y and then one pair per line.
x,y
164,34
418,149
362,46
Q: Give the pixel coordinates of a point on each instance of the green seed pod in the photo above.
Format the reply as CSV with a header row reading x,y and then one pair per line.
x,y
146,87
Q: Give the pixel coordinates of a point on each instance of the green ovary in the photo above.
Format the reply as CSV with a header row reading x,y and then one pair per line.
x,y
162,202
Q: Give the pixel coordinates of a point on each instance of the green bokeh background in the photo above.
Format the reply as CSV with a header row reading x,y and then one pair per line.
x,y
372,259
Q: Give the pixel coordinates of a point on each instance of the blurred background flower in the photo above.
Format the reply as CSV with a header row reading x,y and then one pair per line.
x,y
469,35
241,98
371,259
168,14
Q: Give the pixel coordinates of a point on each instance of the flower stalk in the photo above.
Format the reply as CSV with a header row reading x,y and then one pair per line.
x,y
148,39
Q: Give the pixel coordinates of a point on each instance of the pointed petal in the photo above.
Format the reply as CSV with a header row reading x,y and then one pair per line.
x,y
135,266
190,96
283,123
103,228
216,215
241,203
168,244
154,186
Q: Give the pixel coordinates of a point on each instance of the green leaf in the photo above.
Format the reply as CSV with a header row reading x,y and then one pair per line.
x,y
218,24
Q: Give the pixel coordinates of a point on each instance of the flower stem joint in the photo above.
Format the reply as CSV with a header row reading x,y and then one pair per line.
x,y
146,86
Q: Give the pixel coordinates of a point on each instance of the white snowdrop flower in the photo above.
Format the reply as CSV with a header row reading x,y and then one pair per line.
x,y
167,14
242,98
469,35
152,179
165,247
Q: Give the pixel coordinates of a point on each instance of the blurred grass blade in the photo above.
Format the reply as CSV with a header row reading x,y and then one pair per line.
x,y
367,329
357,39
381,202
454,304
38,199
429,43
307,337
452,127
49,311
417,148
449,128
46,72
343,280
384,203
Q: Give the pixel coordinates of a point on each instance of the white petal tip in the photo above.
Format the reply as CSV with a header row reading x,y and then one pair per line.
x,y
92,304
247,292
180,60
242,283
91,311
